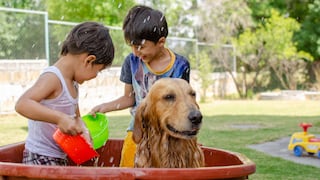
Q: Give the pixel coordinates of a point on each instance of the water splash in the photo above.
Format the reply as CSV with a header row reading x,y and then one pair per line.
x,y
102,150
111,159
131,94
161,19
146,19
95,162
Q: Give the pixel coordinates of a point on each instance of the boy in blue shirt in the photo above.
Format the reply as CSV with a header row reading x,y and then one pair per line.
x,y
145,31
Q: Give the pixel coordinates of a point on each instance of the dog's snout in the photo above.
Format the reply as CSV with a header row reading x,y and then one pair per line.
x,y
195,117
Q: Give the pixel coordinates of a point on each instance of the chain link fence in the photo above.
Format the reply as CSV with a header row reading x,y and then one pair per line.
x,y
30,36
26,34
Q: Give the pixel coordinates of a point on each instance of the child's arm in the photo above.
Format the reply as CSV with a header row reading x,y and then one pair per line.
x,y
123,102
47,86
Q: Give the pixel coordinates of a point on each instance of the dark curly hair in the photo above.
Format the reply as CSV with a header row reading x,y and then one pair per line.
x,y
144,23
92,38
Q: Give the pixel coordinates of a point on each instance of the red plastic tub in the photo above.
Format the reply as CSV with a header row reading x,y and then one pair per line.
x,y
220,164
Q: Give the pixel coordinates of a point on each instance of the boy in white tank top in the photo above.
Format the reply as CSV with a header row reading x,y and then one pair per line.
x,y
52,102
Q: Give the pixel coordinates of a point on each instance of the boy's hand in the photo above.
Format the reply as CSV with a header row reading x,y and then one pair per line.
x,y
98,108
70,126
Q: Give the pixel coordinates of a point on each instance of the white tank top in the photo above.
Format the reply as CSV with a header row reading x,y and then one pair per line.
x,y
40,133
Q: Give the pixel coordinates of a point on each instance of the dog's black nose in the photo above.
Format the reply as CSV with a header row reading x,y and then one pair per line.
x,y
195,117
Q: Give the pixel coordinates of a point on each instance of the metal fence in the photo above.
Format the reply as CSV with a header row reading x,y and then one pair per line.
x,y
29,41
28,34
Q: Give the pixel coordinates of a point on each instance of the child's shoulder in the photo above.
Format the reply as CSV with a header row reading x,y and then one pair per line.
x,y
180,58
177,56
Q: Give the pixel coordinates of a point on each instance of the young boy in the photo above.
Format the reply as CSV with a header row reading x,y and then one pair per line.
x,y
145,30
52,102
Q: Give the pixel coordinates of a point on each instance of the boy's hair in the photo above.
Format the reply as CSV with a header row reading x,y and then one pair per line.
x,y
92,38
144,23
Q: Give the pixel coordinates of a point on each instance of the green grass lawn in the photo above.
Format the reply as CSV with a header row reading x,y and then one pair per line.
x,y
223,127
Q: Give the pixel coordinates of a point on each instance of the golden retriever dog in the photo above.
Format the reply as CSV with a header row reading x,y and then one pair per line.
x,y
166,125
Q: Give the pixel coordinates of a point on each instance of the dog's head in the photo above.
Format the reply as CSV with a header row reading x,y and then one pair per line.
x,y
170,106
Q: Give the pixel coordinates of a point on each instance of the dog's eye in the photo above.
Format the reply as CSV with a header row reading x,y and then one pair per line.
x,y
170,97
193,94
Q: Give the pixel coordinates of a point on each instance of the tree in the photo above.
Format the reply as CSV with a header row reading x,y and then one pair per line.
x,y
308,38
179,14
250,52
110,13
295,9
219,20
270,45
22,35
24,4
204,72
285,60
306,12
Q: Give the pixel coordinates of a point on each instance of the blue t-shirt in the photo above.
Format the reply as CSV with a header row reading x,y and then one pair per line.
x,y
137,73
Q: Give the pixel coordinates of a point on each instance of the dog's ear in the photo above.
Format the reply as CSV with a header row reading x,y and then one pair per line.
x,y
138,123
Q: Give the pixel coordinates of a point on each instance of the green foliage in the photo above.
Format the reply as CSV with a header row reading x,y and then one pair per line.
x,y
24,4
305,12
6,42
277,32
179,15
262,9
22,35
271,45
284,58
218,21
309,37
109,12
